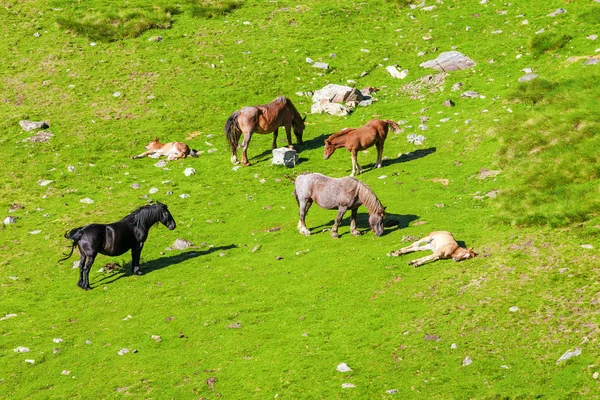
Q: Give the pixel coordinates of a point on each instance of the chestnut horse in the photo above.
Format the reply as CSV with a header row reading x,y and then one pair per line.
x,y
337,193
441,243
372,133
172,150
265,118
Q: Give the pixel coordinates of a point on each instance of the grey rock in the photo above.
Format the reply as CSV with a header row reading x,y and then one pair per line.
x,y
285,156
470,94
343,367
467,361
366,103
456,87
321,65
557,12
181,244
189,171
348,385
135,185
391,391
591,61
330,108
31,125
87,200
449,61
10,220
22,349
44,182
337,94
569,354
448,103
528,77
160,164
309,60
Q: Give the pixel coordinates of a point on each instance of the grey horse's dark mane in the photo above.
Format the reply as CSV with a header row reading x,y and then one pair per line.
x,y
369,198
145,215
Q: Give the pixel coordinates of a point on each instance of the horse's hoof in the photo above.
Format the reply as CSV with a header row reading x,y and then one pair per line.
x,y
305,233
138,272
335,235
356,233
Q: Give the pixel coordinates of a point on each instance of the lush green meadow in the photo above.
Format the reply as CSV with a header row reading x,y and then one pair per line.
x,y
265,311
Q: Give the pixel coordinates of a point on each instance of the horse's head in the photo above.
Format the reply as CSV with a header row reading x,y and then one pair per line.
x,y
165,217
376,221
329,149
462,254
299,126
152,145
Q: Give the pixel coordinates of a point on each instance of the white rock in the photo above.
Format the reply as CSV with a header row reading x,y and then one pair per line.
x,y
8,316
123,351
116,94
595,376
382,177
285,156
235,168
87,200
392,391
592,37
415,139
309,60
513,309
66,372
587,246
467,361
160,164
184,195
22,349
30,361
569,354
453,346
70,168
76,264
10,220
393,71
153,190
57,340
348,385
343,367
189,171
321,65
35,232
44,182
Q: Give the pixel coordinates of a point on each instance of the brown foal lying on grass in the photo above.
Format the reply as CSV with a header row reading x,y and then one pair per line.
x,y
442,244
372,133
172,150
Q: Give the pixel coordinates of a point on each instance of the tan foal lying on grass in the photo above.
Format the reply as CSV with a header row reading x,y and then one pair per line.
x,y
172,151
442,244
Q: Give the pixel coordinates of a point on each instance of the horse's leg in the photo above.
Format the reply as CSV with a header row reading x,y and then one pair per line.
x,y
136,252
245,143
275,133
86,273
338,219
355,167
353,229
288,134
419,245
81,267
379,146
420,261
304,205
144,154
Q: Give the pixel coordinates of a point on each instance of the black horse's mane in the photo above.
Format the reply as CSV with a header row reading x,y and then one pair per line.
x,y
145,214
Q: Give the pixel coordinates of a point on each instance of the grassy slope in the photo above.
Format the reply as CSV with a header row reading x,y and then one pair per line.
x,y
354,304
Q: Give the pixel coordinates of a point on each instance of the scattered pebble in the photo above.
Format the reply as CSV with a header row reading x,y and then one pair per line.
x,y
116,94
189,171
348,385
514,309
343,367
156,338
587,246
88,342
8,316
569,354
127,317
160,164
44,182
87,200
123,351
453,346
10,220
382,177
184,195
595,376
235,325
70,168
391,391
30,361
467,361
34,232
66,372
22,349
153,190
57,340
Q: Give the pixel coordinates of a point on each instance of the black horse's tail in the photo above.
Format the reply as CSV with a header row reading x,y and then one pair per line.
x,y
232,131
75,235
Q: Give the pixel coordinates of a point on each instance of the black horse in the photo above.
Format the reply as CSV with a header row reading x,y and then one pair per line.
x,y
115,239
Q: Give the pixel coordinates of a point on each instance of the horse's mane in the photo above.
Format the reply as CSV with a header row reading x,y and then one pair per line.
x,y
344,131
368,197
144,214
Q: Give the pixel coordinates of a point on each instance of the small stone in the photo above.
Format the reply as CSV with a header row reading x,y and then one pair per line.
x,y
156,338
505,366
453,346
528,77
44,182
348,385
75,264
88,342
160,164
448,103
236,325
30,361
169,192
255,248
135,186
31,125
470,94
189,171
321,65
35,232
22,349
8,316
66,372
382,177
587,246
391,391
123,351
557,12
93,44
467,361
116,94
343,367
57,340
595,376
184,195
70,168
10,220
569,354
181,244
87,200
592,37
153,190
309,60
513,309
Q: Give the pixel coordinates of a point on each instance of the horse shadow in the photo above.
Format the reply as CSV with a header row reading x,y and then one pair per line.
x,y
413,155
310,144
314,143
160,263
392,223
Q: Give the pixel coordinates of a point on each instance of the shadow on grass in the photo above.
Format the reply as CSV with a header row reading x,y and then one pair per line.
x,y
413,155
392,223
160,263
311,144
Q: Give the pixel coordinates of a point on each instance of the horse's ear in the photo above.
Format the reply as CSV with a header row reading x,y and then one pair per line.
x,y
155,140
304,119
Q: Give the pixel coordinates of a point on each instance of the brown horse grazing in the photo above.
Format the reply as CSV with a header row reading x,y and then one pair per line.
x,y
337,193
441,243
372,133
265,118
173,150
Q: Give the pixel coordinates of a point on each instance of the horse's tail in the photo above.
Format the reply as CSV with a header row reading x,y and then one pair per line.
x,y
232,131
393,124
194,153
75,235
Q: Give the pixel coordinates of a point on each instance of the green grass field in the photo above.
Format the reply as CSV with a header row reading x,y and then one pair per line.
x,y
265,311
